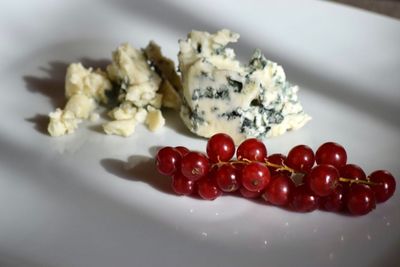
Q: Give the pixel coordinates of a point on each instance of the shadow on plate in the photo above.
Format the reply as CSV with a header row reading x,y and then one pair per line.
x,y
52,85
138,169
141,169
154,150
173,121
40,122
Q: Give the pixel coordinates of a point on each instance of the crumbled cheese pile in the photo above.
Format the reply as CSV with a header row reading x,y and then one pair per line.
x,y
138,82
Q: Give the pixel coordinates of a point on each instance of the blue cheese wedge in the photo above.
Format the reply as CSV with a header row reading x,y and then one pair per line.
x,y
222,95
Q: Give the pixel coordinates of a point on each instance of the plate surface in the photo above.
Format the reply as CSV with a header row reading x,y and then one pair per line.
x,y
94,200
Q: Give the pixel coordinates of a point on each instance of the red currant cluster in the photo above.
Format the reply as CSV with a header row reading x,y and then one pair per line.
x,y
301,181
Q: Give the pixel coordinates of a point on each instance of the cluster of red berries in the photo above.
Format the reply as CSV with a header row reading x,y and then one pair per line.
x,y
301,181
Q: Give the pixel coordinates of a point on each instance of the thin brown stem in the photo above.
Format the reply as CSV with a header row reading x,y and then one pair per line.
x,y
354,181
283,167
280,167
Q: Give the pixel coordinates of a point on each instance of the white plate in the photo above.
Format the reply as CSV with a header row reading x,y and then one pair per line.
x,y
71,201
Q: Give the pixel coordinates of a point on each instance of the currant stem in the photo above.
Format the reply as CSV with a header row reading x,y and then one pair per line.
x,y
246,161
220,163
283,167
280,167
351,181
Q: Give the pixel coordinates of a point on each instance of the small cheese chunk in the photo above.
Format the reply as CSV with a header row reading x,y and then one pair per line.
x,y
156,101
62,122
141,115
154,120
121,127
80,80
141,94
171,84
129,66
170,97
125,111
138,87
83,87
81,105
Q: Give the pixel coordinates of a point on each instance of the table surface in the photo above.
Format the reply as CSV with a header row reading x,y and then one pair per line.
x,y
386,7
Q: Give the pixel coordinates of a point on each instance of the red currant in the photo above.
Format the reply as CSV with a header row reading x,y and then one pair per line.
x,y
182,150
384,186
303,199
360,199
331,153
249,194
300,158
277,159
255,176
208,189
167,160
195,165
252,149
323,179
333,202
279,189
352,171
182,185
227,178
238,167
220,147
